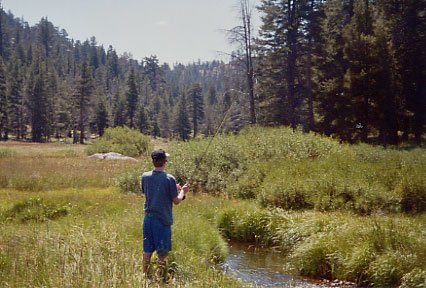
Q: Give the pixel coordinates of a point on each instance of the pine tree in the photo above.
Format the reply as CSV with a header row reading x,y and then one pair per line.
x,y
154,73
37,100
82,97
64,110
182,123
195,93
164,121
313,14
16,99
212,95
119,110
142,120
359,45
385,105
1,30
410,43
4,103
51,100
45,35
94,57
101,116
334,107
279,73
132,96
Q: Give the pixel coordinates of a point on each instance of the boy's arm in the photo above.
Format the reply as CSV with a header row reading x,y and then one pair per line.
x,y
181,195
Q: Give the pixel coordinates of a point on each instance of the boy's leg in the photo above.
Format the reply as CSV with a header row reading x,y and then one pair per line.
x,y
161,265
148,244
146,261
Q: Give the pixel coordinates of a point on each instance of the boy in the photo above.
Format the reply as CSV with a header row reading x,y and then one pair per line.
x,y
161,192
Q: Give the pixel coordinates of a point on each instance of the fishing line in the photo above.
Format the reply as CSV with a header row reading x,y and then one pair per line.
x,y
221,123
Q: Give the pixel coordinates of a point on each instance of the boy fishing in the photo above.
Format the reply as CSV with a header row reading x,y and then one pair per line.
x,y
161,192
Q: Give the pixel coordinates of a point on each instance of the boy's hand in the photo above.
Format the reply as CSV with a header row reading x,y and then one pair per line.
x,y
185,187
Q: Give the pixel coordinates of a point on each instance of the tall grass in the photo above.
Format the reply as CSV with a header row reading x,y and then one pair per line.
x,y
294,170
6,152
384,251
99,244
61,226
41,173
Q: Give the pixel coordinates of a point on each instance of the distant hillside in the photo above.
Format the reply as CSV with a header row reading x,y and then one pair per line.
x,y
42,75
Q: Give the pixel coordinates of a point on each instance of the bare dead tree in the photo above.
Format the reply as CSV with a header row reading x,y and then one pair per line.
x,y
242,36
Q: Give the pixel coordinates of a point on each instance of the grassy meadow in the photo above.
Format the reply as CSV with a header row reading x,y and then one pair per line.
x,y
336,211
68,226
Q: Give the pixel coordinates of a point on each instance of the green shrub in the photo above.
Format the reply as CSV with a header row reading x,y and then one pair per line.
x,y
122,140
129,182
416,278
249,225
35,210
248,185
314,258
295,170
6,152
285,195
357,264
388,269
413,194
32,183
4,181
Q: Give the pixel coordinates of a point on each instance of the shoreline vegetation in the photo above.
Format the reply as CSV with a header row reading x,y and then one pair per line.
x,y
337,211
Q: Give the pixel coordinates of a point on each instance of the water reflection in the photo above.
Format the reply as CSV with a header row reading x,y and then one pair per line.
x,y
262,268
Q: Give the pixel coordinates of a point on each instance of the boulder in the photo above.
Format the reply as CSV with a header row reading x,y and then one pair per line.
x,y
96,156
110,156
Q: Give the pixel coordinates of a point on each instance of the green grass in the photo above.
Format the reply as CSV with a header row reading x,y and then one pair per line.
x,y
6,152
294,170
368,250
64,224
335,211
98,243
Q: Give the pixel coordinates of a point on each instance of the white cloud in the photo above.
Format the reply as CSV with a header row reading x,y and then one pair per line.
x,y
162,23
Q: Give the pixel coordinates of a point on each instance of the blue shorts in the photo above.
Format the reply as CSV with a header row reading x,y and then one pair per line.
x,y
156,236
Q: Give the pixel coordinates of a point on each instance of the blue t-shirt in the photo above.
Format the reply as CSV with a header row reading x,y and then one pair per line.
x,y
159,189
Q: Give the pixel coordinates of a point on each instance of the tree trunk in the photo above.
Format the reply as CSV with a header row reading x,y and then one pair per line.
x,y
309,77
81,125
246,17
291,60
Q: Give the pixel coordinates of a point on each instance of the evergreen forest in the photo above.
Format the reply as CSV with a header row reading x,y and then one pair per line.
x,y
353,69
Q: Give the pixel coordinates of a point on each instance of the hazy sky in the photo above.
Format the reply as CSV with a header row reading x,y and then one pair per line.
x,y
174,30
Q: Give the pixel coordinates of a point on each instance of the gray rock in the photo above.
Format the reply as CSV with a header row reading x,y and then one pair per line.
x,y
96,156
110,156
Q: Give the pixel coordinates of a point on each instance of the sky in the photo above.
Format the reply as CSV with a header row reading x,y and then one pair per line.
x,y
182,31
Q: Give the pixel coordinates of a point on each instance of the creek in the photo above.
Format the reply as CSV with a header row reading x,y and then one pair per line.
x,y
263,267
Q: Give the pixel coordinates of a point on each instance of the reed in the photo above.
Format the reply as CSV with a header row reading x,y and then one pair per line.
x,y
379,250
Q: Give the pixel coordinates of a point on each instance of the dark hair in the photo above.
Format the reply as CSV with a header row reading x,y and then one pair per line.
x,y
159,157
158,162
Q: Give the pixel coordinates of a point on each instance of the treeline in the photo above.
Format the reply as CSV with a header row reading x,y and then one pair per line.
x,y
351,68
355,69
54,87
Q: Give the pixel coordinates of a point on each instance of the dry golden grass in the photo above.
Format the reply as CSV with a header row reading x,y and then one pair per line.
x,y
31,149
36,167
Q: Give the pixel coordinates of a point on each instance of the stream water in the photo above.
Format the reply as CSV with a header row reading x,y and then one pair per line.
x,y
264,268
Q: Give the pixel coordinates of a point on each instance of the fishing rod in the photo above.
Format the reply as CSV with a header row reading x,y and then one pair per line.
x,y
220,125
198,161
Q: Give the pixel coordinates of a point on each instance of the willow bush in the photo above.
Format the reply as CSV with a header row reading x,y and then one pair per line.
x,y
290,169
122,140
